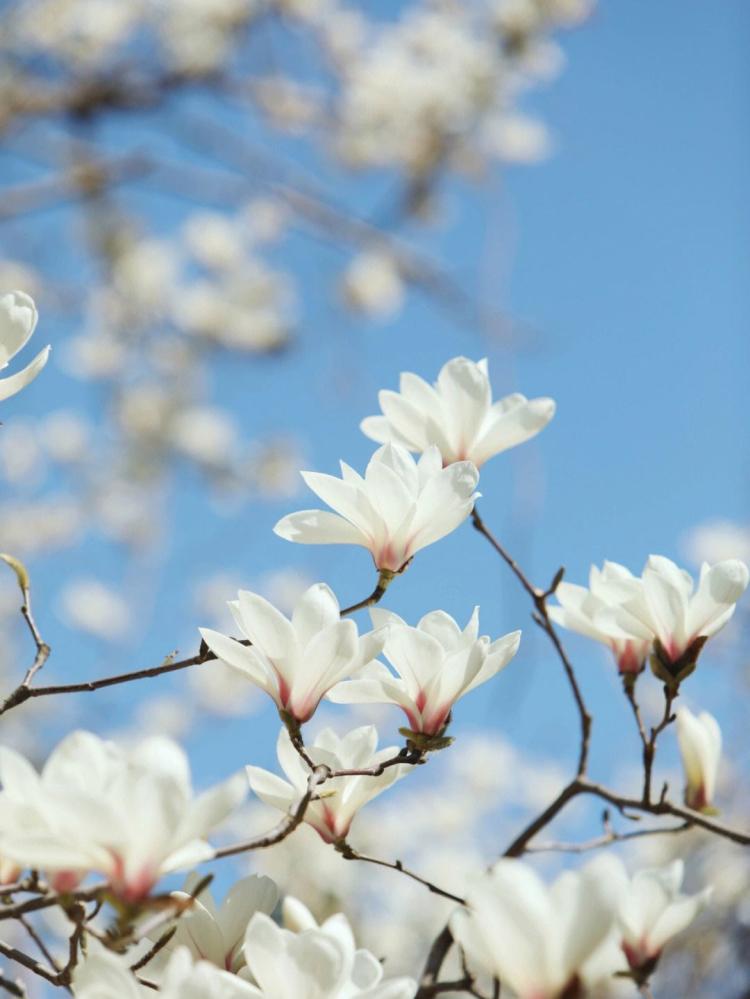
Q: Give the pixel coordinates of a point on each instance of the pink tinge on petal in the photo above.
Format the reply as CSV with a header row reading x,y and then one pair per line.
x,y
303,712
132,889
65,881
434,723
673,650
390,558
639,955
330,830
415,722
629,658
696,798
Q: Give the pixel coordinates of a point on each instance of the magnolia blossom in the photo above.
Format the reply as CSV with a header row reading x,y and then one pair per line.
x,y
295,661
435,664
340,798
317,963
652,910
18,318
594,612
679,615
699,738
366,971
186,979
457,414
102,974
661,609
535,939
129,815
398,507
216,934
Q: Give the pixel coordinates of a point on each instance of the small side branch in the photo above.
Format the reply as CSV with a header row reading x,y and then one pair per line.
x,y
348,853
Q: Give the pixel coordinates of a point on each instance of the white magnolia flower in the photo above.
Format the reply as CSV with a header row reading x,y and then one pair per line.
x,y
699,738
129,815
679,616
317,963
216,934
533,937
435,664
295,661
340,798
102,974
398,507
18,318
185,979
457,414
598,613
652,911
365,970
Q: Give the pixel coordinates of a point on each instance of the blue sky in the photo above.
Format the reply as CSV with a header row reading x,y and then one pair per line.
x,y
626,255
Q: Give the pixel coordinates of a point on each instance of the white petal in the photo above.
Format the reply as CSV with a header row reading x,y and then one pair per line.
x,y
14,383
319,527
18,319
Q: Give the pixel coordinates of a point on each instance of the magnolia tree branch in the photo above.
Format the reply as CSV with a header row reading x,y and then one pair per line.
x,y
541,617
14,988
348,853
581,785
287,825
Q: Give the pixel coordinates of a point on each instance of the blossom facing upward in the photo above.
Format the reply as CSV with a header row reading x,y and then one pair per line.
x,y
594,612
295,661
340,798
536,938
652,910
681,616
18,319
435,664
699,739
319,962
129,815
457,414
398,507
662,611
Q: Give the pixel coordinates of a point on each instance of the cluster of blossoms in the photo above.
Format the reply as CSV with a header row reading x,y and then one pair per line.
x,y
75,818
559,941
661,617
658,614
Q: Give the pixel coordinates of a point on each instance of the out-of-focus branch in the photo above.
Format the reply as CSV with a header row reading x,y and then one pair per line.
x,y
610,835
77,183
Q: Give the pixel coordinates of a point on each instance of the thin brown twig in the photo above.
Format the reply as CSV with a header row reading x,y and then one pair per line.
x,y
348,853
21,693
43,949
385,578
649,747
541,617
284,828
